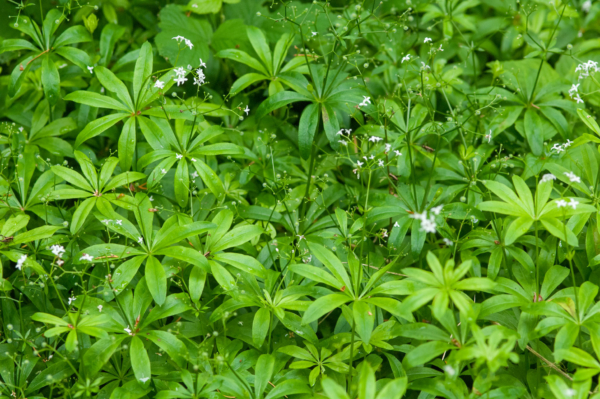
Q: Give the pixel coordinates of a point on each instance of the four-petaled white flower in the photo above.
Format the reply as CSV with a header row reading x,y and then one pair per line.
x,y
300,237
189,44
448,242
380,163
194,175
375,139
86,257
91,69
20,262
359,163
489,136
100,308
178,156
128,330
159,84
180,80
578,99
427,40
58,250
180,71
573,204
140,240
573,89
119,222
163,171
144,379
193,159
202,64
436,210
561,203
398,153
179,38
388,147
366,101
247,110
71,300
342,142
573,178
405,58
547,177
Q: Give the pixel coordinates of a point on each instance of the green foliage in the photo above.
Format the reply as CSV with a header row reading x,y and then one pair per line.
x,y
299,199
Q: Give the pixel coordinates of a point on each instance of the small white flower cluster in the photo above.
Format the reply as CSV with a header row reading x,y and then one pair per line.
x,y
366,101
547,177
586,69
187,42
428,221
573,177
573,91
343,132
562,203
180,76
200,78
20,262
561,147
86,257
58,250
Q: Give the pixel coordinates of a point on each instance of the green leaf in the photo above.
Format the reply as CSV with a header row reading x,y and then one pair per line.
x,y
279,100
156,279
127,142
50,80
114,85
142,72
535,137
265,366
95,100
81,214
140,362
260,45
309,122
72,35
589,121
323,305
98,126
260,326
364,319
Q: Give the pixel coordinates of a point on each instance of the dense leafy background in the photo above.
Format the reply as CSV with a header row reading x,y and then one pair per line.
x,y
290,199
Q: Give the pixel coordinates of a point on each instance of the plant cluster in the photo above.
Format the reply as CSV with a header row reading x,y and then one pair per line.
x,y
263,199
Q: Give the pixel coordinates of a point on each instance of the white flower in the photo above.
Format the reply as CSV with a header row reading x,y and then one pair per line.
x,y
180,80
489,136
547,177
91,69
189,44
300,238
448,242
343,142
427,223
427,40
202,64
348,131
194,5
193,159
180,71
179,38
164,172
144,379
398,153
405,58
100,308
388,147
558,148
86,257
573,89
440,49
159,84
568,143
586,68
365,102
375,139
359,163
199,81
561,203
437,209
178,156
314,33
585,7
247,110
194,175
573,178
380,163
20,262
424,66
341,132
71,300
128,330
151,199
58,250
396,224
573,204
119,222
578,99
140,240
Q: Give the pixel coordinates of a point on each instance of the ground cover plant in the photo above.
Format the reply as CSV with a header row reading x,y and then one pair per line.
x,y
267,199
